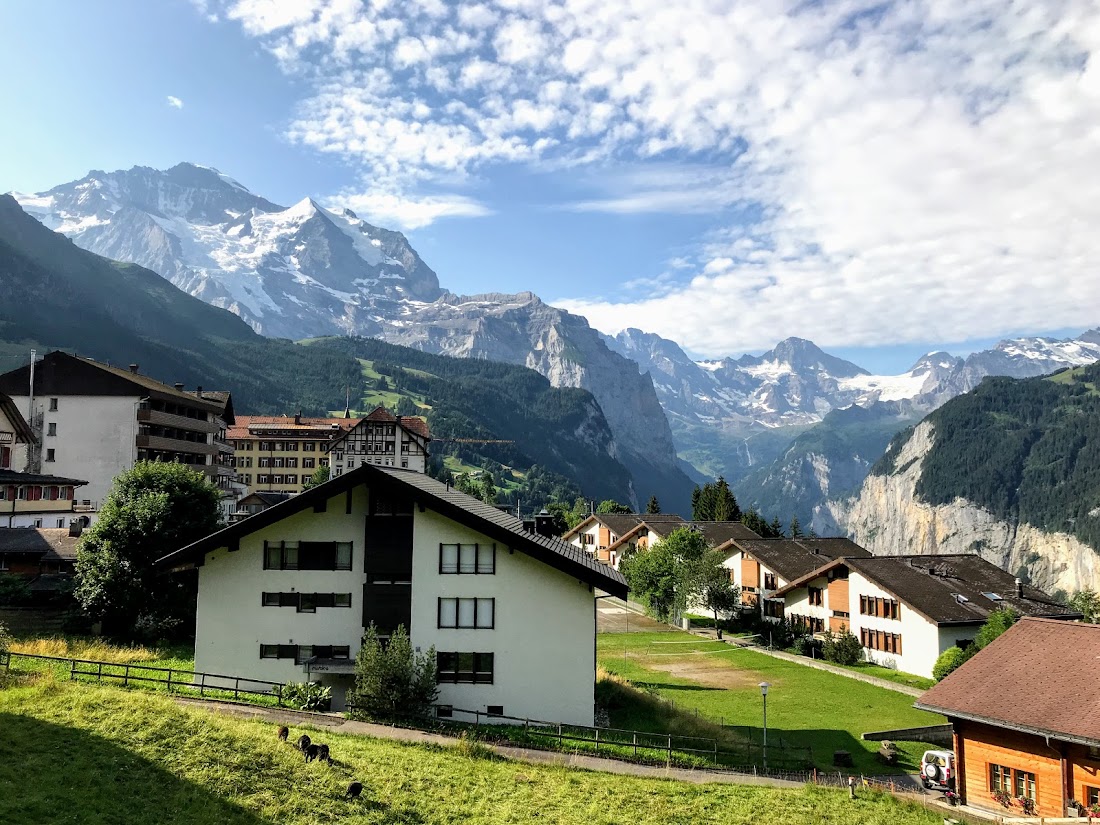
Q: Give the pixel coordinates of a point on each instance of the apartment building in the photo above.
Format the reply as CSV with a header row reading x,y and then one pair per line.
x,y
383,439
601,532
278,453
92,421
285,595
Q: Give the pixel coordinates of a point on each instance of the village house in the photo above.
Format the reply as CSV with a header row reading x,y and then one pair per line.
x,y
285,595
598,533
1026,718
44,559
94,421
384,439
761,567
279,453
907,610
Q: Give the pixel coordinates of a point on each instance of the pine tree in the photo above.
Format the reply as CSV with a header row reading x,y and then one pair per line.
x,y
696,504
795,528
775,529
653,507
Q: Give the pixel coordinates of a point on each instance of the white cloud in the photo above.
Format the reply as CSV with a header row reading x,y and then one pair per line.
x,y
392,209
903,171
174,102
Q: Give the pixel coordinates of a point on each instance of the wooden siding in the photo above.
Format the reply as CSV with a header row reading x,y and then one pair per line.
x,y
604,537
838,596
984,745
750,572
1085,771
838,623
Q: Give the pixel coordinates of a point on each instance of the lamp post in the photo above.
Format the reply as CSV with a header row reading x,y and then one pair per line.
x,y
764,692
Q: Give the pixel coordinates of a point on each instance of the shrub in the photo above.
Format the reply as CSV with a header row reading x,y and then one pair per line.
x,y
841,648
307,696
14,590
5,637
391,680
947,662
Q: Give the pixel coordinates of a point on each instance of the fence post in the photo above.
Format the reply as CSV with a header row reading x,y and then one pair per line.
x,y
169,680
559,734
635,744
202,685
670,750
126,677
237,688
716,753
72,670
597,740
279,695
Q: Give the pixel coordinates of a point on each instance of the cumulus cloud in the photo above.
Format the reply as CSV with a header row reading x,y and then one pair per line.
x,y
914,170
174,102
393,209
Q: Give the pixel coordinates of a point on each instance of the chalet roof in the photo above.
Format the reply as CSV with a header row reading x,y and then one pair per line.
x,y
262,497
440,497
1040,676
947,589
60,373
23,432
622,523
223,397
718,533
412,423
12,477
259,426
794,558
49,543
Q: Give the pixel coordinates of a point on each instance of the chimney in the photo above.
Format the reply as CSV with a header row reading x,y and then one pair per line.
x,y
298,418
179,386
198,391
75,528
134,368
1019,589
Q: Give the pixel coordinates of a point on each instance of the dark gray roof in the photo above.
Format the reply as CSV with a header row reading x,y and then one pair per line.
x,y
262,497
718,533
932,585
53,543
436,495
794,558
12,477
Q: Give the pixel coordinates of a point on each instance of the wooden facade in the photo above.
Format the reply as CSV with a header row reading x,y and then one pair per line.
x,y
1051,772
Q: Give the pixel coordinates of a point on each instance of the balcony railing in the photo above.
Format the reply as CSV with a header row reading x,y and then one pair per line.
x,y
175,445
180,422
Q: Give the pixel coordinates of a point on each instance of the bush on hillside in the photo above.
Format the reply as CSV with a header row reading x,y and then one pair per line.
x,y
6,638
307,696
948,661
392,681
842,648
14,590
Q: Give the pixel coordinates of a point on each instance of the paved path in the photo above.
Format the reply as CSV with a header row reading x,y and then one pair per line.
x,y
539,757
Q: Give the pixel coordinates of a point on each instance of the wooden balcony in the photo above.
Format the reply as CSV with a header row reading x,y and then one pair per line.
x,y
180,422
175,445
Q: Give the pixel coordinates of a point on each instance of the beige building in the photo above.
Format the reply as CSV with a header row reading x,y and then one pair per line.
x,y
278,453
285,595
384,439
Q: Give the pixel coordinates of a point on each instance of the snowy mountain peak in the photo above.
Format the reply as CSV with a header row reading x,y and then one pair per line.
x,y
797,355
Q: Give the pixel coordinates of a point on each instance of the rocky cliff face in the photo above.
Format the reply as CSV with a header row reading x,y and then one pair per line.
x,y
887,518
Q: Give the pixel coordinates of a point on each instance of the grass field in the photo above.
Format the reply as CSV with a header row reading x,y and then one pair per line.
x,y
100,756
806,707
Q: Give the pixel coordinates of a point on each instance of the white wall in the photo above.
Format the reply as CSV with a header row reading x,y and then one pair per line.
x,y
543,643
920,638
798,601
95,438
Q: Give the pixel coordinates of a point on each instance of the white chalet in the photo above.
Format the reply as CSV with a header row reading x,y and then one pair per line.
x,y
285,594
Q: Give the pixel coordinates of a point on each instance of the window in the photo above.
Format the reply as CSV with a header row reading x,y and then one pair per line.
x,y
307,555
882,608
300,653
773,608
817,598
51,428
879,640
1092,796
37,523
5,458
479,559
1000,778
494,710
61,522
307,446
467,668
444,711
278,651
51,455
467,613
309,463
53,405
769,581
1025,785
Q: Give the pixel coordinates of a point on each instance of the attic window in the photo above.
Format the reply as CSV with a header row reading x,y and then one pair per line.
x,y
960,598
993,597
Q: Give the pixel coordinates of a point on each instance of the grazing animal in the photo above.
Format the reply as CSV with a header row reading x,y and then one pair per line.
x,y
303,742
323,754
312,751
284,732
354,789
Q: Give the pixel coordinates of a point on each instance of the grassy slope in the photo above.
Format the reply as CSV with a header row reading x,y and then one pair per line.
x,y
106,756
806,707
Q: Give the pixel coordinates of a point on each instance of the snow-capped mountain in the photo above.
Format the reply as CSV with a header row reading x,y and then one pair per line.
x,y
306,271
288,271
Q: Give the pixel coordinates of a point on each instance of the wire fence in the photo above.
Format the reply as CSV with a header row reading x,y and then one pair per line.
x,y
171,680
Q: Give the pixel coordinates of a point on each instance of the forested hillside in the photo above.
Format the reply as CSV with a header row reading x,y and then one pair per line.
x,y
1028,451
54,295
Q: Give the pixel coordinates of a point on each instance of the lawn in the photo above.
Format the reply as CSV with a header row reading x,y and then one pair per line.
x,y
806,707
102,756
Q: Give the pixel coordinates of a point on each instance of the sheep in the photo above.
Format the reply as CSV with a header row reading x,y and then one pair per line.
x,y
354,789
284,732
312,752
323,754
303,742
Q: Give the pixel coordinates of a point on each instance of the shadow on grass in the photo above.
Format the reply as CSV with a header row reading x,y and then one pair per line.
x,y
53,774
666,686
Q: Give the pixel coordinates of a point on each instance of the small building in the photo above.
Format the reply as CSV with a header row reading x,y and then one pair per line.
x,y
279,453
36,500
383,439
31,553
598,533
285,595
1026,717
907,610
762,567
254,503
94,421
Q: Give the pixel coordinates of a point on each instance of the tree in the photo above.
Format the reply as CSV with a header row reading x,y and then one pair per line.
x,y
998,622
714,502
488,488
152,510
795,528
775,529
712,587
1087,602
653,507
843,648
319,477
392,681
610,506
664,574
948,661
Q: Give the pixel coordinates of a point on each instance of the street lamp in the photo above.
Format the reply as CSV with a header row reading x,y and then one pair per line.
x,y
764,692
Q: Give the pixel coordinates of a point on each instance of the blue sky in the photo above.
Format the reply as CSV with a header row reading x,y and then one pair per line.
x,y
884,179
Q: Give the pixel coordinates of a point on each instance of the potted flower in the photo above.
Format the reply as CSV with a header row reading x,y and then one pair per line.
x,y
1003,797
1027,805
1093,811
1073,807
951,797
